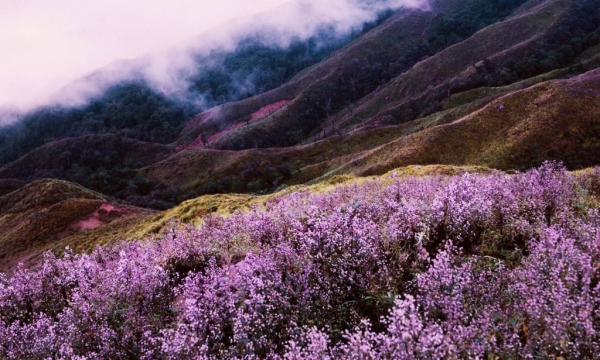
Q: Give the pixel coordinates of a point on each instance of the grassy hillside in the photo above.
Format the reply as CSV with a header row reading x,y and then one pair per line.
x,y
48,214
430,81
93,151
506,128
554,120
380,78
401,30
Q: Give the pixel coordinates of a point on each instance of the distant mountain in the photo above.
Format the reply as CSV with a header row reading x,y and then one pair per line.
x,y
504,84
409,66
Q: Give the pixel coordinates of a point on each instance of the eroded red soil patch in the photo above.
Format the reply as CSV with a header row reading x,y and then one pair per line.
x,y
269,109
102,216
198,120
257,115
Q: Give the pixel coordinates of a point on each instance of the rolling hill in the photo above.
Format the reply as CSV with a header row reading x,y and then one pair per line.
x,y
472,84
51,214
512,130
388,76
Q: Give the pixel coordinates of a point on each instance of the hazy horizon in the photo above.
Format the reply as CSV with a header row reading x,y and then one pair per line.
x,y
47,46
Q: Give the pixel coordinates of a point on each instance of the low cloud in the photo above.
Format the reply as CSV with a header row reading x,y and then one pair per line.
x,y
48,47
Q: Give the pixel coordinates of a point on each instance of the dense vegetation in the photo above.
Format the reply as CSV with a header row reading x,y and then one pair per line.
x,y
132,110
493,266
104,164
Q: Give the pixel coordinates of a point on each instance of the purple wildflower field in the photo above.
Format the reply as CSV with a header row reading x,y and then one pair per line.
x,y
474,266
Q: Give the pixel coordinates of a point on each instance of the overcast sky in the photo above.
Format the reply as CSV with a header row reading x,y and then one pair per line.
x,y
46,44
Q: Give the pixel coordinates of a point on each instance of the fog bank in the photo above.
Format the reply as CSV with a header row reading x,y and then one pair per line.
x,y
47,47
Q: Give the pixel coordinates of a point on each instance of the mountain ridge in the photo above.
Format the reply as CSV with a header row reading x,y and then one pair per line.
x,y
485,100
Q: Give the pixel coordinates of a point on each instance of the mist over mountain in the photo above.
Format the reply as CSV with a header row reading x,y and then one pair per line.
x,y
126,99
50,44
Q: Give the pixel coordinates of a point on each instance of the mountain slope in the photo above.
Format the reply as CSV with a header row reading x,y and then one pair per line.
x,y
433,67
402,30
554,120
511,129
344,91
435,76
105,163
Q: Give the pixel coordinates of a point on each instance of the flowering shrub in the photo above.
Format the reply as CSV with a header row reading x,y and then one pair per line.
x,y
493,266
